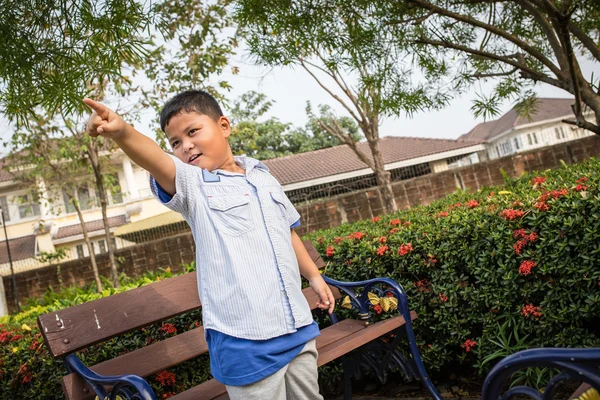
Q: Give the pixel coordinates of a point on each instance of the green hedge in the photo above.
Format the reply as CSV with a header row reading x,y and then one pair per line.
x,y
489,273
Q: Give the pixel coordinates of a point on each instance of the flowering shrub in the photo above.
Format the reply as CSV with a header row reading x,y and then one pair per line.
x,y
524,256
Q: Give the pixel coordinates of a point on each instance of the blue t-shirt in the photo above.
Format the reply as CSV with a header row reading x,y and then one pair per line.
x,y
238,362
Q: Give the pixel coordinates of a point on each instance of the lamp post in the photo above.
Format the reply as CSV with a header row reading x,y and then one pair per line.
x,y
12,271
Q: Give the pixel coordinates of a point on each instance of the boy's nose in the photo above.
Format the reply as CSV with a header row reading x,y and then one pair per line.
x,y
187,146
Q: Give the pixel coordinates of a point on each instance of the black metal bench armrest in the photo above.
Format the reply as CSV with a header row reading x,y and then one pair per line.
x,y
362,303
122,385
580,365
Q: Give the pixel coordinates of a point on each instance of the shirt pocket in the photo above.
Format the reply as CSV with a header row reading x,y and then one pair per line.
x,y
280,207
232,214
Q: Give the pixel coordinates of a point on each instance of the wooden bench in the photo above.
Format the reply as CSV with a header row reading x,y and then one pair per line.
x,y
73,329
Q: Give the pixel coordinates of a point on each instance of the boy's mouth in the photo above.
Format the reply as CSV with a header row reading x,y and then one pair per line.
x,y
193,157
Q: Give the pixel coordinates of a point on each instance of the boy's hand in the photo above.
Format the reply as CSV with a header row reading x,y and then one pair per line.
x,y
326,300
104,121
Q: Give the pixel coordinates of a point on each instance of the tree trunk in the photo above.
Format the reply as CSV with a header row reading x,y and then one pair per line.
x,y
87,242
101,191
382,176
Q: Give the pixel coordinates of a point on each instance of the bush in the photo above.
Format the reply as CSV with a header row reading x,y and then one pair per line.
x,y
489,273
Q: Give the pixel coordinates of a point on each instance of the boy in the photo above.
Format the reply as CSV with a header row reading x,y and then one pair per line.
x,y
259,328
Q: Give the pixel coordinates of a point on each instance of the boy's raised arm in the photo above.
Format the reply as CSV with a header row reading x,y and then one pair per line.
x,y
140,148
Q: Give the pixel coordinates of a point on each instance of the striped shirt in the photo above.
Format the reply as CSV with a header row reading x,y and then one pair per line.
x,y
248,277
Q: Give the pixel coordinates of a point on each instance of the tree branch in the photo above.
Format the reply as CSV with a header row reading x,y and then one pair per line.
x,y
414,21
532,74
493,29
497,74
335,96
583,124
585,40
348,141
547,28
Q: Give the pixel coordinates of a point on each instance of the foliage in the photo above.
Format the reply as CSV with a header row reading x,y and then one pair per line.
x,y
52,54
489,273
272,138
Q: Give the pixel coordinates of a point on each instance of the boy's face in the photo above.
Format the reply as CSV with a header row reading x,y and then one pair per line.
x,y
199,140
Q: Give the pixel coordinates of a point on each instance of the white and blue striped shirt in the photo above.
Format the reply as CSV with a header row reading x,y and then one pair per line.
x,y
248,277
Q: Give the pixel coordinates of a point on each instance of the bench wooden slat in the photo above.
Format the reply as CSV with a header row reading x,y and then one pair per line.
x,y
78,327
580,390
351,342
155,357
334,341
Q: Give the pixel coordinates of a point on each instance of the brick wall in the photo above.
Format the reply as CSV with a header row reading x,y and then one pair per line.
x,y
351,207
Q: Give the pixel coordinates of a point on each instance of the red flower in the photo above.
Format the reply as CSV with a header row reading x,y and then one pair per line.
x,y
394,230
538,180
559,193
357,235
375,219
542,206
432,259
377,308
529,310
166,378
168,395
405,249
519,233
337,240
382,239
583,179
472,203
510,214
526,266
381,251
407,223
395,222
16,337
468,345
5,336
26,377
443,214
455,205
443,297
580,188
168,328
330,251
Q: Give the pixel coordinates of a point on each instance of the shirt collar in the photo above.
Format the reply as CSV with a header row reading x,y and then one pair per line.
x,y
247,163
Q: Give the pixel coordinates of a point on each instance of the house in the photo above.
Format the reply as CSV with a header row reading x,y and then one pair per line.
x,y
35,229
511,133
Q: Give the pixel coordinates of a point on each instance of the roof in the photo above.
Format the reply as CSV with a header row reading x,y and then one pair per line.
x,y
73,230
167,218
546,109
341,159
20,249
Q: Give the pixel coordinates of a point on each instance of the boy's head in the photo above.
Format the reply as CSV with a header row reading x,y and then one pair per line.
x,y
196,129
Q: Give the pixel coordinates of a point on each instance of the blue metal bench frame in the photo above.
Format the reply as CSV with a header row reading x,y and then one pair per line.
x,y
576,364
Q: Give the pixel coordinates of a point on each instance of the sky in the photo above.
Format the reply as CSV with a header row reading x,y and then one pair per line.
x,y
290,89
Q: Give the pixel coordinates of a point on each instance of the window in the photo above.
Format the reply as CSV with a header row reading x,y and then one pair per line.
x,y
27,207
529,139
83,195
79,249
535,139
102,246
517,143
4,205
560,133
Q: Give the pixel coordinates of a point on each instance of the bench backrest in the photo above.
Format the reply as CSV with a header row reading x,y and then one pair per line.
x,y
78,327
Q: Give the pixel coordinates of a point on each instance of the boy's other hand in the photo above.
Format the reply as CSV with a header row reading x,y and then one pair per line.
x,y
104,121
326,300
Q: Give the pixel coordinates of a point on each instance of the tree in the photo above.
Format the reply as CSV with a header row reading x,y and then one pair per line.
x,y
518,43
193,48
342,47
54,169
54,53
272,138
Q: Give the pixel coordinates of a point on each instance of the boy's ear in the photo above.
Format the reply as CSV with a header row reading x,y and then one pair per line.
x,y
225,126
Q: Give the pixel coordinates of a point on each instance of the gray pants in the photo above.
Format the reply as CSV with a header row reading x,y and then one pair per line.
x,y
295,381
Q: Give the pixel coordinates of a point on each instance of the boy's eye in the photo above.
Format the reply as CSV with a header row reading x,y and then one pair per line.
x,y
192,131
175,143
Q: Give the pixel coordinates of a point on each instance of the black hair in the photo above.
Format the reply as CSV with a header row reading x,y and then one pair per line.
x,y
197,101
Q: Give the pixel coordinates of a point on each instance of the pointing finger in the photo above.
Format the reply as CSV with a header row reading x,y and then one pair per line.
x,y
100,109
